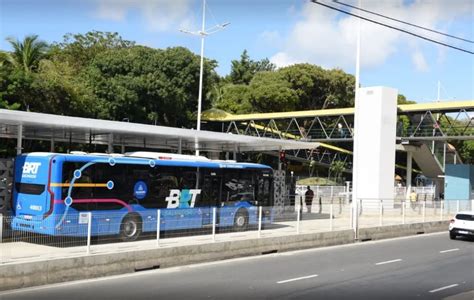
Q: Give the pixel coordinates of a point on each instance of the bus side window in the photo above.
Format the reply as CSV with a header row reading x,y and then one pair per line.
x,y
263,192
81,188
103,173
238,186
210,191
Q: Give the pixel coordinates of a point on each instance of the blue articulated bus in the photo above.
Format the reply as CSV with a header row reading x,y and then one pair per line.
x,y
52,192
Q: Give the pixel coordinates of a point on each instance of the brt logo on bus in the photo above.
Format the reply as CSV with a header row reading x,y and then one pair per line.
x,y
30,169
182,199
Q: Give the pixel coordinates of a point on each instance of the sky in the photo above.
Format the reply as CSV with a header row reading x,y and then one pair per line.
x,y
285,31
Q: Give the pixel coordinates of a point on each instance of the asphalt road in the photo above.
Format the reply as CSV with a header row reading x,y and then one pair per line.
x,y
420,267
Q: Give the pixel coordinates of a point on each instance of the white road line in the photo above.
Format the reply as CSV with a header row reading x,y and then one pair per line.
x,y
388,262
444,288
299,278
449,250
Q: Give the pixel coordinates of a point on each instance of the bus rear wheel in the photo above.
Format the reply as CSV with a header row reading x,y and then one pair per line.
x,y
241,220
131,228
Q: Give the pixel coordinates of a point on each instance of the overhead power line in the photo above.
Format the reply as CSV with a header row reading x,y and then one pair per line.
x,y
392,27
403,22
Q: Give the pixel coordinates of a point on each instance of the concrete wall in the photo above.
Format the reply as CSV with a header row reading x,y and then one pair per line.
x,y
20,275
393,231
459,182
13,276
374,143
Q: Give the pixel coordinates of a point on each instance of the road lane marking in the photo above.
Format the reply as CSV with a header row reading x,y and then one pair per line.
x,y
444,288
388,262
299,278
449,250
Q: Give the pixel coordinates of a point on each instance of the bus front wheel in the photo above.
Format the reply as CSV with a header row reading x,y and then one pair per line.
x,y
241,220
131,228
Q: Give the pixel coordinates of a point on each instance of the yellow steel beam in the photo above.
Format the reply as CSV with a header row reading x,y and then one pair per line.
x,y
403,108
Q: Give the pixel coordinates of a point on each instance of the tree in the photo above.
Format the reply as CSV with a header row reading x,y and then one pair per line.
x,y
26,54
318,88
467,152
78,50
235,98
148,85
336,168
401,99
243,70
269,92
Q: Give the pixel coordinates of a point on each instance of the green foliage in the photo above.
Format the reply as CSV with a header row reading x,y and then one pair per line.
x,y
297,87
401,99
235,98
318,88
147,85
315,181
243,70
26,54
336,168
78,50
467,152
269,92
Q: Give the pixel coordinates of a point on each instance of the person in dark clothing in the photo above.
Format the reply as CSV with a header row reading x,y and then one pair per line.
x,y
308,198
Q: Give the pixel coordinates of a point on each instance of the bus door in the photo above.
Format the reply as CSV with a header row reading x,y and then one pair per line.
x,y
210,196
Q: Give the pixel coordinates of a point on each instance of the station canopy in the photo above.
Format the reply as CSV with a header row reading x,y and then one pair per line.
x,y
49,127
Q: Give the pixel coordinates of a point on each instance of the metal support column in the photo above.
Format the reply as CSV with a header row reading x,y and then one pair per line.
x,y
409,174
444,157
110,145
180,146
235,153
51,148
279,161
19,140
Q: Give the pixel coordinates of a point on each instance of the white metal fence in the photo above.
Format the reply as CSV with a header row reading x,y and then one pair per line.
x,y
89,237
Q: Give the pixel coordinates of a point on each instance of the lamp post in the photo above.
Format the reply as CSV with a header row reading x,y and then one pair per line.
x,y
203,33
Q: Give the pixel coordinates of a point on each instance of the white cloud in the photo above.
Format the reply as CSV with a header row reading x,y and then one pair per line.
x,y
159,15
327,38
271,39
282,59
419,61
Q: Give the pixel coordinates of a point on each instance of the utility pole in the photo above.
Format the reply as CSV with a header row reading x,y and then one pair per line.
x,y
356,104
202,33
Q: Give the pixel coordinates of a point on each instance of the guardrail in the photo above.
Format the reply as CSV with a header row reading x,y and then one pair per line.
x,y
91,234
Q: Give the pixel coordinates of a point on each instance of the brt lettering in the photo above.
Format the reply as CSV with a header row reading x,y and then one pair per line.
x,y
182,199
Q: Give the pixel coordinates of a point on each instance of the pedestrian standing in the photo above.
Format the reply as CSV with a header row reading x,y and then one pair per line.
x,y
308,198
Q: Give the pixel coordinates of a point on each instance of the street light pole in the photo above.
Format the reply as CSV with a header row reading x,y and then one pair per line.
x,y
355,167
202,33
201,71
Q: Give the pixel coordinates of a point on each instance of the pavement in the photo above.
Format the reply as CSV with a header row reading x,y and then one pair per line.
x,y
419,267
29,247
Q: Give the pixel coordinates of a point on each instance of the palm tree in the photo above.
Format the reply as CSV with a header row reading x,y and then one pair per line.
x,y
26,54
3,58
337,167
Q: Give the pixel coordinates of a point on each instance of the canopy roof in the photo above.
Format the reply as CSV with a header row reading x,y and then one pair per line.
x,y
39,126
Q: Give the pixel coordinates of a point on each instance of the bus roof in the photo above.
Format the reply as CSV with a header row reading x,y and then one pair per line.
x,y
153,158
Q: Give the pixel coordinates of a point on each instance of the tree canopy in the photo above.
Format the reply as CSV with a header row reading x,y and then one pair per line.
x,y
101,75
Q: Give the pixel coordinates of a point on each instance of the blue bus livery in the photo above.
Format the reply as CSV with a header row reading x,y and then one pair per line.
x,y
124,192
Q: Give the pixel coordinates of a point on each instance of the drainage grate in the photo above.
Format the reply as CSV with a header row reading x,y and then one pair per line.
x,y
148,268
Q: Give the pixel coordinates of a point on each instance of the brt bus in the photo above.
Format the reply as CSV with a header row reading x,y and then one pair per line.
x,y
124,192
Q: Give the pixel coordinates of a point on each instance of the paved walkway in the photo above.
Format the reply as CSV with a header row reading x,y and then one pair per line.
x,y
31,248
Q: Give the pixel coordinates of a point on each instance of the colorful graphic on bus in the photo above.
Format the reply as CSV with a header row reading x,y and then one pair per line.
x,y
123,192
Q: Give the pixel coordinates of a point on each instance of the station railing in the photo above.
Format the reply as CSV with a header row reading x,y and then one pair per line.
x,y
91,234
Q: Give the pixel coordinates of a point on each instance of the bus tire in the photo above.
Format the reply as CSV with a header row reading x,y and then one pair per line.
x,y
131,228
241,220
